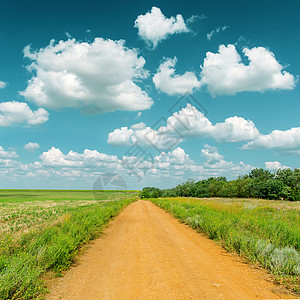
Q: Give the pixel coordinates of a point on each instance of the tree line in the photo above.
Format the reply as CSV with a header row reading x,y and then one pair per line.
x,y
259,183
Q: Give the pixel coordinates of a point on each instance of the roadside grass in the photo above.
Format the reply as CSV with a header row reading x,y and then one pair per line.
x,y
266,233
47,236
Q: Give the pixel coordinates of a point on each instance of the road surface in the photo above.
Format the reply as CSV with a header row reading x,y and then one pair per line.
x,y
147,254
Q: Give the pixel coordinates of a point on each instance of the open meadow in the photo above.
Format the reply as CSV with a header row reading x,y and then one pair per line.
x,y
41,230
264,232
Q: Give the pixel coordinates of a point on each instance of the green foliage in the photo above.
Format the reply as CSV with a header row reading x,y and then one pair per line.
x,y
152,192
290,179
260,174
259,183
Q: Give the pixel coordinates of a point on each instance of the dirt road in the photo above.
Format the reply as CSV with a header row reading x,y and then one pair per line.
x,y
147,254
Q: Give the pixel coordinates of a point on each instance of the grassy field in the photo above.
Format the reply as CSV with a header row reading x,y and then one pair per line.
x,y
18,196
265,232
42,230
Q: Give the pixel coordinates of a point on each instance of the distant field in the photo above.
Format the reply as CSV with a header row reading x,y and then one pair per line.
x,y
41,230
262,231
22,209
61,195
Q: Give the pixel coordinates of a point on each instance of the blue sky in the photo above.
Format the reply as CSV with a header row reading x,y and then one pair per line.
x,y
83,83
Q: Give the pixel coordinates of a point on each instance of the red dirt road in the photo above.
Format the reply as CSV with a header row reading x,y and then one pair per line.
x,y
147,254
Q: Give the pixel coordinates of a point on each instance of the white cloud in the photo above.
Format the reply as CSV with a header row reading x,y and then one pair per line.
x,y
215,31
235,129
7,154
274,165
176,159
195,18
56,167
143,135
211,155
120,137
216,163
138,115
96,77
31,146
284,141
188,122
8,164
154,26
170,83
172,163
92,160
12,113
89,158
2,84
225,73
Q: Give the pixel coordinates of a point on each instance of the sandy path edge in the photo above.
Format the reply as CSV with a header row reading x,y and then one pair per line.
x,y
147,254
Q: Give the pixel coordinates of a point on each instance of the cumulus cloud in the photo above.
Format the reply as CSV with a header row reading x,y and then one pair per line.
x,y
176,159
216,162
9,166
175,162
31,146
154,27
121,137
12,113
225,73
287,141
274,165
235,129
2,84
177,165
211,155
55,158
170,83
143,135
7,154
188,122
96,77
215,31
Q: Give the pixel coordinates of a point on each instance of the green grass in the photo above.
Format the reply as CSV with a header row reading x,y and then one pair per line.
x,y
264,232
9,196
43,230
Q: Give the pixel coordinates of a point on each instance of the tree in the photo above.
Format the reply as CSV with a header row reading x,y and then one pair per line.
x,y
291,178
260,174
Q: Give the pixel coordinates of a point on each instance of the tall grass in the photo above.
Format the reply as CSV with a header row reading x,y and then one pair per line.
x,y
23,260
264,235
